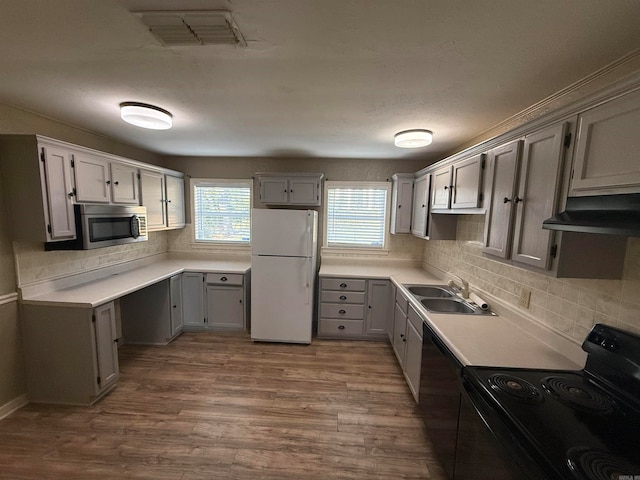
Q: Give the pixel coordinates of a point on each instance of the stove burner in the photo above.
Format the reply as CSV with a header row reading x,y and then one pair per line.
x,y
590,464
577,394
514,386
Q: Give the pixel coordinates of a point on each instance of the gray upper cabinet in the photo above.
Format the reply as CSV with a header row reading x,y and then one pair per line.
x,y
457,187
290,189
420,212
58,188
124,184
175,201
501,185
401,203
163,196
606,157
537,195
92,178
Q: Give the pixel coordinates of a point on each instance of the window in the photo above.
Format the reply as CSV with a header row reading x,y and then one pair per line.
x,y
222,211
357,214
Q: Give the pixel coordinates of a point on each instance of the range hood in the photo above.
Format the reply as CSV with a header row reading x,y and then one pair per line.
x,y
604,214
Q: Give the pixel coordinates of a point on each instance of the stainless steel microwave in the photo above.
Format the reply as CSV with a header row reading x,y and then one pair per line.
x,y
104,226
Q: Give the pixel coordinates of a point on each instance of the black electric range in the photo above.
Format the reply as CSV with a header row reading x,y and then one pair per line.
x,y
563,425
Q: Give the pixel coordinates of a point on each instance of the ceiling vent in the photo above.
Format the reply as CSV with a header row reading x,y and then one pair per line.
x,y
210,27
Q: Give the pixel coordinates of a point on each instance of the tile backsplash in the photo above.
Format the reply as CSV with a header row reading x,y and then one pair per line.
x,y
34,264
571,306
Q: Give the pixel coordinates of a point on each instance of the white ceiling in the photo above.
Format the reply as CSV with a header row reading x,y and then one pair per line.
x,y
318,78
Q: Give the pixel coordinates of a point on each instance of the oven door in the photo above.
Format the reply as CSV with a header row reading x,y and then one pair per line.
x,y
487,449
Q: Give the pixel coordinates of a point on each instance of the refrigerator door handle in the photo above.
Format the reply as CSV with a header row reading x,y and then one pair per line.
x,y
309,280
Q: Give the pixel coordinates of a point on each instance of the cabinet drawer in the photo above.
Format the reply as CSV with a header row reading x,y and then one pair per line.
x,y
343,284
415,320
336,327
342,297
402,302
224,278
342,311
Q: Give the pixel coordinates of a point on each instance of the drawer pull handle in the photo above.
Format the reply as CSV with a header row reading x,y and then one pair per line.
x,y
342,312
223,279
343,297
343,285
340,327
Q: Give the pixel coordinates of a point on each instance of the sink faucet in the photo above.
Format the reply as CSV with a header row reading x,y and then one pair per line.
x,y
460,284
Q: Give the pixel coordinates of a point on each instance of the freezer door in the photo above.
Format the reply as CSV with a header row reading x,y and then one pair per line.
x,y
281,299
291,233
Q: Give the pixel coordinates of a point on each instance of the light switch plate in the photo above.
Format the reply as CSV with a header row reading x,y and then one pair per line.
x,y
524,298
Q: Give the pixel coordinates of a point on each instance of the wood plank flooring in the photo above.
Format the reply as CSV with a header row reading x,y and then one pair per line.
x,y
218,406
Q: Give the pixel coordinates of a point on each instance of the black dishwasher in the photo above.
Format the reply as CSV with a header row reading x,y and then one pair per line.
x,y
439,397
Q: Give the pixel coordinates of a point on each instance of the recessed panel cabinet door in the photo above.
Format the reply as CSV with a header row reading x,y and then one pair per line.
x,y
274,190
304,191
106,348
420,211
59,192
413,358
153,198
467,178
124,184
503,167
399,334
175,201
225,309
175,295
193,299
93,183
441,188
537,197
378,308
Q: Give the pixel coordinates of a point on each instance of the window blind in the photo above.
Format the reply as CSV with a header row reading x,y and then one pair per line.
x,y
356,217
222,213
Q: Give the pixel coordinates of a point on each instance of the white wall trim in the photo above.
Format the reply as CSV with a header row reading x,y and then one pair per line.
x,y
13,405
8,298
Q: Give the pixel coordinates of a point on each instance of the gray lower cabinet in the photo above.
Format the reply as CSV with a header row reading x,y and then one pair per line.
x,y
215,301
354,308
407,342
153,315
71,353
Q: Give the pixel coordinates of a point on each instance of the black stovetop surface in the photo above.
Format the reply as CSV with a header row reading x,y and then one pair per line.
x,y
574,425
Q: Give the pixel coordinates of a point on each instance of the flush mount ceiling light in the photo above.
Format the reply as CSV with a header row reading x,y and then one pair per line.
x,y
145,116
413,138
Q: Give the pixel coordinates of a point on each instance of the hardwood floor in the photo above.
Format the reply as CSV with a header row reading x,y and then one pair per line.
x,y
217,406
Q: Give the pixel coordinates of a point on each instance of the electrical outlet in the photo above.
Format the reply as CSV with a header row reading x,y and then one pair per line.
x,y
524,298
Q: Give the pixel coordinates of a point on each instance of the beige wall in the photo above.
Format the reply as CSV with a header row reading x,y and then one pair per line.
x,y
400,246
571,306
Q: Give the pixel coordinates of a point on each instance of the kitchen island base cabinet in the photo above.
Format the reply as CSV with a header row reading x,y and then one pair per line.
x,y
149,316
71,353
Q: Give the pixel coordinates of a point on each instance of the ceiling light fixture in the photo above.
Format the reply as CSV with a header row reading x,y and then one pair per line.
x,y
413,138
145,116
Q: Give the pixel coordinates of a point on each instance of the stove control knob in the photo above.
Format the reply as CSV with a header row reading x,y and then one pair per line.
x,y
608,344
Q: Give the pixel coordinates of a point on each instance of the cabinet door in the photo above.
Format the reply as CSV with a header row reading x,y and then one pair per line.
x,y
274,190
304,191
175,295
124,184
59,193
606,157
378,310
503,167
413,357
537,198
93,183
441,188
152,191
106,347
175,201
225,309
192,299
392,304
467,178
420,211
401,205
399,334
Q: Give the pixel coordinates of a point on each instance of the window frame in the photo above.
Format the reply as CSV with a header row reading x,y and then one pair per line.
x,y
219,182
361,249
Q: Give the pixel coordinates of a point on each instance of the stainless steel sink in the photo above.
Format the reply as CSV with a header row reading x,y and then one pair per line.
x,y
447,305
430,291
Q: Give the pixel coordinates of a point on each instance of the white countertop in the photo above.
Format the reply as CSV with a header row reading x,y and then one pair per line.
x,y
103,286
503,340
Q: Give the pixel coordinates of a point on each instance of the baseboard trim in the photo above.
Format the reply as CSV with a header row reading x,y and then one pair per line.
x,y
13,405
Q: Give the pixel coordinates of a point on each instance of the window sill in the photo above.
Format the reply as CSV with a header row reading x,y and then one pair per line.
x,y
354,252
220,247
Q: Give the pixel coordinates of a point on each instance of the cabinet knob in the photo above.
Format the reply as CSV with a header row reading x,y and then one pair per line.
x,y
340,327
506,200
70,194
342,312
399,206
369,306
402,335
518,200
343,285
108,182
168,201
423,205
223,279
404,339
175,306
116,183
343,297
446,187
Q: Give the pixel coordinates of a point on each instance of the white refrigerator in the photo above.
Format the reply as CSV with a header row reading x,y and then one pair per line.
x,y
283,272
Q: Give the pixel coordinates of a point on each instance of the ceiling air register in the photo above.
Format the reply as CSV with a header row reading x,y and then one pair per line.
x,y
185,28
